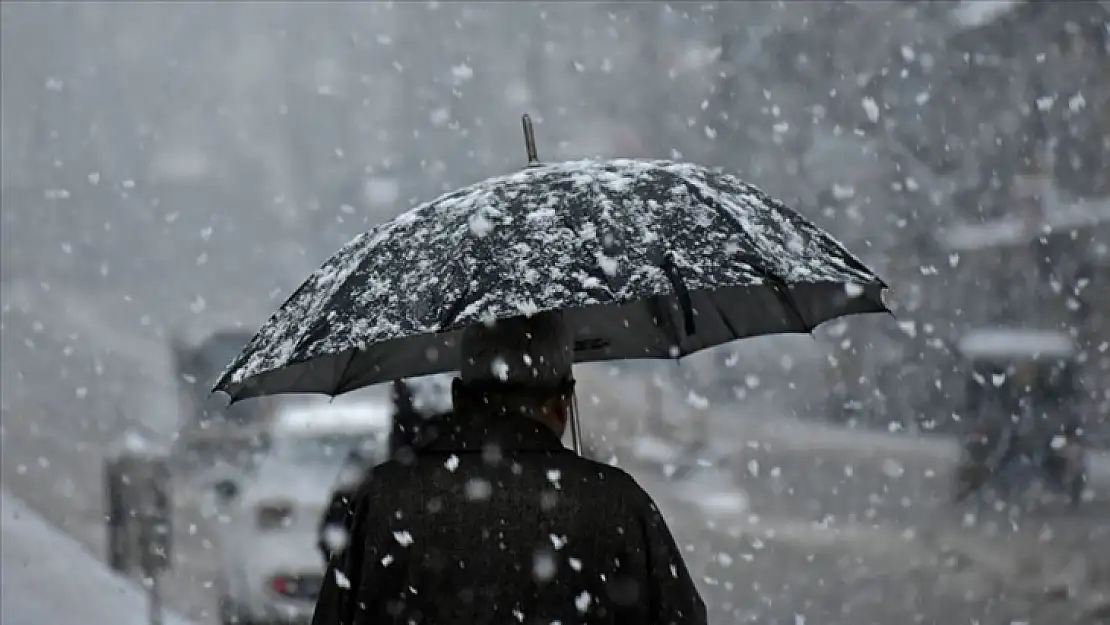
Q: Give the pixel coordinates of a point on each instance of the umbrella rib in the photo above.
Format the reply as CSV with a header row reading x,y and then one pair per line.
x,y
342,380
680,291
778,285
724,319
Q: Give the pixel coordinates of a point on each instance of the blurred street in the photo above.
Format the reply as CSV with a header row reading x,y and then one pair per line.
x,y
835,528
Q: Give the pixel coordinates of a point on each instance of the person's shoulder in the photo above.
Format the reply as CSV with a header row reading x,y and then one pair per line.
x,y
382,477
611,477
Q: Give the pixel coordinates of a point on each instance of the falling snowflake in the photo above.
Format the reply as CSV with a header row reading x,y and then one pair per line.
x,y
403,538
582,602
341,579
478,489
543,567
452,463
871,108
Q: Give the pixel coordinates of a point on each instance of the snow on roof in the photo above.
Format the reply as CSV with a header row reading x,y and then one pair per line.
x,y
1012,231
976,13
1016,343
320,417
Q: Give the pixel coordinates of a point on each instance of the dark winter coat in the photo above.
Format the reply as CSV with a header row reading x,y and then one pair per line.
x,y
496,522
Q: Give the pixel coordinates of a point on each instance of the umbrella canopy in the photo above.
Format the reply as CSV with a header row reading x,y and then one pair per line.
x,y
648,259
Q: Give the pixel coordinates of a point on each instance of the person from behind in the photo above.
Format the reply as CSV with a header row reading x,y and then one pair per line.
x,y
495,521
410,425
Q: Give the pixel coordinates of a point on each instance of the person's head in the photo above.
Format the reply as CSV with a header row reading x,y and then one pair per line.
x,y
521,366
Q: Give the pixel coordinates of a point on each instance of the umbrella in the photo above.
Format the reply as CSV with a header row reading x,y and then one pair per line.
x,y
647,259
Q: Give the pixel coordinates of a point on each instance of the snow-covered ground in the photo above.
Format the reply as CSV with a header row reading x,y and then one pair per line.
x,y
47,577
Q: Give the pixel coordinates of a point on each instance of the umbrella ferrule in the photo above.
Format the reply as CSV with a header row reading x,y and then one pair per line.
x,y
530,141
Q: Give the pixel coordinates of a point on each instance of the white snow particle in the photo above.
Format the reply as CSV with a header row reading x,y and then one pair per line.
x,y
543,567
1077,103
558,541
478,490
500,369
608,265
871,108
335,537
440,116
452,463
94,178
575,563
341,579
480,226
893,468
382,191
387,560
582,602
403,538
462,72
699,402
553,476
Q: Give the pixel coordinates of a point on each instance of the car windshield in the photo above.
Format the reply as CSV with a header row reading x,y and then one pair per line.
x,y
325,449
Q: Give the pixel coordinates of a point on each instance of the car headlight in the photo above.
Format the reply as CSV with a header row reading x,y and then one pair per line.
x,y
274,514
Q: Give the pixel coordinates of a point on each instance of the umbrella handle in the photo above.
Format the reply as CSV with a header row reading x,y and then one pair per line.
x,y
575,426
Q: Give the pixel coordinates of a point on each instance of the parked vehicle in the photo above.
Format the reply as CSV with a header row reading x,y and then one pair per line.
x,y
269,566
213,437
1022,399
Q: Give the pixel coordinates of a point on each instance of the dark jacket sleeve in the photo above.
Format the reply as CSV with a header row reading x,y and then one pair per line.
x,y
337,514
335,605
672,598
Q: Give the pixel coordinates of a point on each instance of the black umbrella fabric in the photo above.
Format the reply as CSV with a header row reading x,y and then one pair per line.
x,y
648,259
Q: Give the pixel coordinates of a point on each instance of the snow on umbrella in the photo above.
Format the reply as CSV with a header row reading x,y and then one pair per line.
x,y
647,259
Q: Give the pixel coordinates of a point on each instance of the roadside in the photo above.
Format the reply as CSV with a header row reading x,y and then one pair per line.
x,y
48,577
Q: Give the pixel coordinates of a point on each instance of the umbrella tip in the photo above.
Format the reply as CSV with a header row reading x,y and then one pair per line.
x,y
530,141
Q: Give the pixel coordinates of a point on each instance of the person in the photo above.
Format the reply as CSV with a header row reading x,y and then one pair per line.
x,y
495,521
410,425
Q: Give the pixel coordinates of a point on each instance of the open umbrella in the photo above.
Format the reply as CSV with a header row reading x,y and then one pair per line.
x,y
647,259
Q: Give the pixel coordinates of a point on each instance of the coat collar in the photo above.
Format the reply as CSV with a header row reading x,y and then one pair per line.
x,y
476,432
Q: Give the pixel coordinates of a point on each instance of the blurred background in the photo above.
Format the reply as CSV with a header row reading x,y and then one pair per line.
x,y
170,170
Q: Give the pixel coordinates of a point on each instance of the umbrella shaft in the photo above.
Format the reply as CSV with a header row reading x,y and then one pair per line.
x,y
575,427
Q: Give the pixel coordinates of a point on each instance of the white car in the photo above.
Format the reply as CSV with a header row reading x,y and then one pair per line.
x,y
270,569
